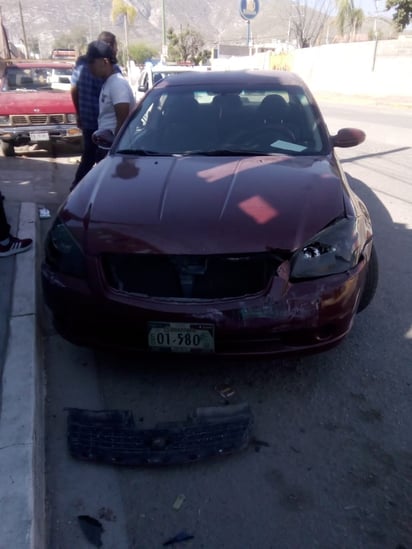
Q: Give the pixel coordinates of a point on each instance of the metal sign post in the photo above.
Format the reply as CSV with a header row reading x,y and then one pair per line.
x,y
248,10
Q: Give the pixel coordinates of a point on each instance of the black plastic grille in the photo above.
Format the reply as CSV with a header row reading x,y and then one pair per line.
x,y
37,119
189,276
111,436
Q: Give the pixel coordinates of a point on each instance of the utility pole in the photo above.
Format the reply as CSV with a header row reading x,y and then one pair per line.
x,y
126,40
4,41
375,30
164,43
24,31
100,15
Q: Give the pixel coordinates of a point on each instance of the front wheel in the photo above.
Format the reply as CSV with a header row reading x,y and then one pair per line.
x,y
7,148
371,283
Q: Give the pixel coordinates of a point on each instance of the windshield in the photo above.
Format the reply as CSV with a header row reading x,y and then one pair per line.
x,y
37,78
179,120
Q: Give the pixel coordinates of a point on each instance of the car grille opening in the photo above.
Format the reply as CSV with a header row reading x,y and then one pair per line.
x,y
37,119
190,276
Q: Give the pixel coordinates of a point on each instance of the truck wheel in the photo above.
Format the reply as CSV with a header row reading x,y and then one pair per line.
x,y
7,148
371,283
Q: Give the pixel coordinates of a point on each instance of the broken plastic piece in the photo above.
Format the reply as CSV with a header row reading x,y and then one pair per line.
x,y
181,536
225,391
92,529
259,443
179,501
44,213
111,436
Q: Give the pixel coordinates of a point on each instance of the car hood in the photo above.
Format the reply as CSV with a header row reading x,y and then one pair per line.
x,y
205,205
37,102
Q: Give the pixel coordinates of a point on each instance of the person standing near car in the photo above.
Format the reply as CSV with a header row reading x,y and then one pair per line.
x,y
9,244
85,90
116,98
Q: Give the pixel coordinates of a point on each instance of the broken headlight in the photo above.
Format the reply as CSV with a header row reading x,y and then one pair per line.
x,y
63,252
334,250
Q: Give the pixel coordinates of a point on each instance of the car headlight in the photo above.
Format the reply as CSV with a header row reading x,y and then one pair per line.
x,y
63,252
71,118
4,120
334,250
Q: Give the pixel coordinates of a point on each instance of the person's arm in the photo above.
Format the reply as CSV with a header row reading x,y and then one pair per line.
x,y
122,112
74,90
75,97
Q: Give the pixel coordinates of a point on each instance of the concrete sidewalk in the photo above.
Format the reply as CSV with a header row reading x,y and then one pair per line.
x,y
22,484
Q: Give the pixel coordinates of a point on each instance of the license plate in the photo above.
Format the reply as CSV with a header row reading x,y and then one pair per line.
x,y
39,136
181,337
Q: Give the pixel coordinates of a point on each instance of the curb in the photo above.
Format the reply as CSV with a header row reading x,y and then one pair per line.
x,y
22,490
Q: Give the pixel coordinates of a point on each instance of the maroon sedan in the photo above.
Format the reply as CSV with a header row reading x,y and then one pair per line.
x,y
220,222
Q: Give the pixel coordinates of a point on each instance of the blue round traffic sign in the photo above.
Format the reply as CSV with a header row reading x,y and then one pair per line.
x,y
248,9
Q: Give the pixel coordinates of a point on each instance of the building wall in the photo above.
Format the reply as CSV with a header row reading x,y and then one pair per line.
x,y
357,68
378,69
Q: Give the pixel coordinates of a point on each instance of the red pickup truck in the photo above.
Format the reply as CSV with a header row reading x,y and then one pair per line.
x,y
35,104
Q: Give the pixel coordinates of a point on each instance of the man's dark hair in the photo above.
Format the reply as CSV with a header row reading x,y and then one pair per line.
x,y
100,50
108,37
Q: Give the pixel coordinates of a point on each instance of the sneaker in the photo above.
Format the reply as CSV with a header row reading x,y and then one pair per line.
x,y
15,246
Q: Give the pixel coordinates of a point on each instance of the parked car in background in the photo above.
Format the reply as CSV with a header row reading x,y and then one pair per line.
x,y
35,104
151,74
64,54
221,221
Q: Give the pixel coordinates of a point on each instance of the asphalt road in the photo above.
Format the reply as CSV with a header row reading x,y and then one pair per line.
x,y
335,466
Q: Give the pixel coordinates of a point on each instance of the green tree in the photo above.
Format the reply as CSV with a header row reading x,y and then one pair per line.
x,y
126,10
349,19
142,52
403,12
186,46
358,17
123,8
203,57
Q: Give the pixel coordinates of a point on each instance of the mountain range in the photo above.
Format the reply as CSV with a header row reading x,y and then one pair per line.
x,y
218,21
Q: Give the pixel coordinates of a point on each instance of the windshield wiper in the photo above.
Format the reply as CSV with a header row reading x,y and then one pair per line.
x,y
139,152
227,152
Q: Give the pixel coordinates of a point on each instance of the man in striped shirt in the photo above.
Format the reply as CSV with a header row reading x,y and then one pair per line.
x,y
85,92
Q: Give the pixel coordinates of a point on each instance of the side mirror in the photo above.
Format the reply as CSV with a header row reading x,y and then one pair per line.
x,y
348,137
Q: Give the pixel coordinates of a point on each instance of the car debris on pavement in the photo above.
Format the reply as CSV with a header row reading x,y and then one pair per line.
x,y
111,436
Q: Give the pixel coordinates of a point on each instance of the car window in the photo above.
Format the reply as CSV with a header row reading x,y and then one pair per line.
x,y
36,78
176,120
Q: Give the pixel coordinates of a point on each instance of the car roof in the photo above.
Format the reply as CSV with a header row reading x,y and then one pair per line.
x,y
171,68
239,78
24,64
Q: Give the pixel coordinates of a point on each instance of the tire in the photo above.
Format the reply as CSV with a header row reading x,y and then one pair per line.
x,y
371,283
7,148
49,147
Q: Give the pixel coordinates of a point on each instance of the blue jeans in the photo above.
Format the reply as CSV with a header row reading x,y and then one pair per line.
x,y
4,226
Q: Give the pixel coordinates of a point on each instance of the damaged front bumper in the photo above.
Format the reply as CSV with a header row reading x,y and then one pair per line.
x,y
300,317
111,436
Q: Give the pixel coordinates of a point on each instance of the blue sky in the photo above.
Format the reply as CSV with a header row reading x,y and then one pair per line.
x,y
368,6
